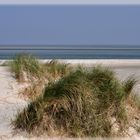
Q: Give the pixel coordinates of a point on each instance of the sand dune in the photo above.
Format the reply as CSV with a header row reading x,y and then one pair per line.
x,y
10,102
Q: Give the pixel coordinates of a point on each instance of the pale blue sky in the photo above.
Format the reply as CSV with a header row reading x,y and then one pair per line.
x,y
70,24
69,1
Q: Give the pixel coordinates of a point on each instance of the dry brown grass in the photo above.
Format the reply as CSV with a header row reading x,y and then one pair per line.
x,y
57,69
27,67
78,105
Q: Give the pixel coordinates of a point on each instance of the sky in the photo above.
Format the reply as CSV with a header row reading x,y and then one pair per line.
x,y
69,1
69,24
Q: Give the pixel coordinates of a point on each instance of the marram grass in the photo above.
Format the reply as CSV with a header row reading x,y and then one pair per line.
x,y
26,65
57,69
78,105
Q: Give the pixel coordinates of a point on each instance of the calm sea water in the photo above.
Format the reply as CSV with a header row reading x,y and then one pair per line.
x,y
74,53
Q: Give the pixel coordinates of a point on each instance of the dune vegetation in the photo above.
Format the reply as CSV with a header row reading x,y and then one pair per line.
x,y
26,66
57,69
81,103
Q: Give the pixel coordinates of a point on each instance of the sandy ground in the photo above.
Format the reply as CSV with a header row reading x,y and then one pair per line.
x,y
10,102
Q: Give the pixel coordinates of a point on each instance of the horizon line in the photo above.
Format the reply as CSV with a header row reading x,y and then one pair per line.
x,y
69,45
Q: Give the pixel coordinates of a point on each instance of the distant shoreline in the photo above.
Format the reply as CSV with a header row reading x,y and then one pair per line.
x,y
72,51
69,47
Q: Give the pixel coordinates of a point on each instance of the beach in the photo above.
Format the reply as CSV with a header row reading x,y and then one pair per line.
x,y
11,102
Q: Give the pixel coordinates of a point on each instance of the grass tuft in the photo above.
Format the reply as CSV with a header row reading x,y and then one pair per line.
x,y
129,85
57,69
78,105
30,117
26,65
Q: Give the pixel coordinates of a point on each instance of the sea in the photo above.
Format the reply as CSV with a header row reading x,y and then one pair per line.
x,y
72,51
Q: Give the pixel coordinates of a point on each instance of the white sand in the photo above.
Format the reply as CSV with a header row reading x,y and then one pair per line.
x,y
106,62
10,102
